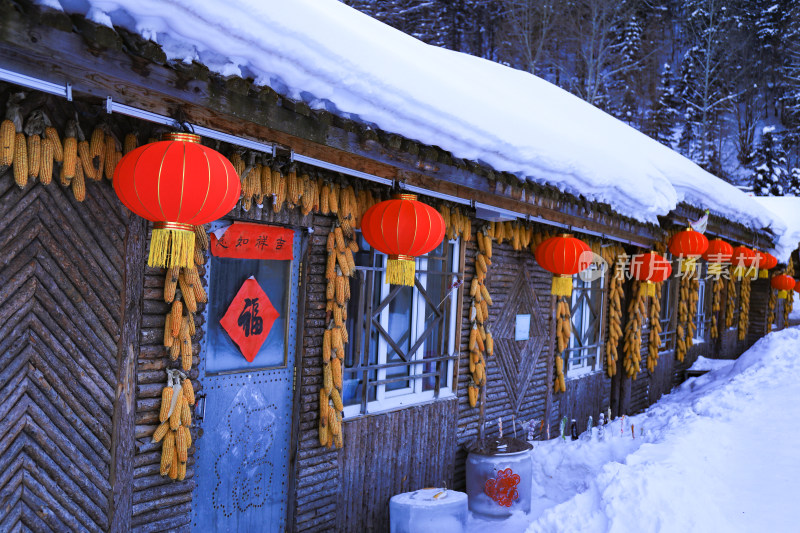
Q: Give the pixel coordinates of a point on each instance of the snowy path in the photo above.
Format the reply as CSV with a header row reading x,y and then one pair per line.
x,y
717,455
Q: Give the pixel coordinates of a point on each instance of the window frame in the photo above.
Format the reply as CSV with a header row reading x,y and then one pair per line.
x,y
572,369
369,375
702,319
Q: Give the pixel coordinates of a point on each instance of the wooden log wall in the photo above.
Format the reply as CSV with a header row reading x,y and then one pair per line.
x,y
507,265
391,453
759,303
61,279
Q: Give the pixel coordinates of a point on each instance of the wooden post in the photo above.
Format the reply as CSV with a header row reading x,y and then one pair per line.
x,y
124,417
548,404
621,383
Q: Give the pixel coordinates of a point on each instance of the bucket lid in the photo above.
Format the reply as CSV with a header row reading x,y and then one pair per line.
x,y
504,446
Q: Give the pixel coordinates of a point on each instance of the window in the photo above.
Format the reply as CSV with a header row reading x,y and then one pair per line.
x,y
402,345
669,291
587,314
702,319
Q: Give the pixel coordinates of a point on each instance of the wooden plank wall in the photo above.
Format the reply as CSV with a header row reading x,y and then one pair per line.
x,y
61,276
506,265
585,396
391,453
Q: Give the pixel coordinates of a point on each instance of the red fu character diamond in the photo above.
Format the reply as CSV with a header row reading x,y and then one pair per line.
x,y
503,488
249,318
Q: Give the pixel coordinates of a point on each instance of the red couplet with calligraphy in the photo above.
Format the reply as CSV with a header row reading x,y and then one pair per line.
x,y
249,318
242,240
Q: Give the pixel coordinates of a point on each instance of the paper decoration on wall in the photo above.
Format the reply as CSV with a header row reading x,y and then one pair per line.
x,y
503,488
249,318
242,240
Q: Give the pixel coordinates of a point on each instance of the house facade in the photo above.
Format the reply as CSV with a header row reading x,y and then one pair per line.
x,y
83,352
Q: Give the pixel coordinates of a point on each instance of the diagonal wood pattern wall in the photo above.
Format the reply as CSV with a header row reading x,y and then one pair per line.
x,y
61,271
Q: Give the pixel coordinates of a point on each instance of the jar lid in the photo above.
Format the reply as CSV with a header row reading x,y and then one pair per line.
x,y
504,446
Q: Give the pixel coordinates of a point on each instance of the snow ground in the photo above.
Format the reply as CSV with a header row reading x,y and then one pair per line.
x,y
718,454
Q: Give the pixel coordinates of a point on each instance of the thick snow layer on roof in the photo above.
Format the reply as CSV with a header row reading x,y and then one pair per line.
x,y
332,56
785,210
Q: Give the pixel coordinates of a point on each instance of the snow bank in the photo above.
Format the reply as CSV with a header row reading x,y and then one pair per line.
x,y
704,363
718,454
332,56
786,211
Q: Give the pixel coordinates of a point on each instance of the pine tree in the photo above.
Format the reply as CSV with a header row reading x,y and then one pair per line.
x,y
769,175
664,115
630,51
794,183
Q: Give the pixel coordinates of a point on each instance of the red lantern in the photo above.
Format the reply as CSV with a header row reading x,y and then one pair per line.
x,y
689,245
743,261
765,262
784,284
177,183
650,268
718,252
402,228
564,256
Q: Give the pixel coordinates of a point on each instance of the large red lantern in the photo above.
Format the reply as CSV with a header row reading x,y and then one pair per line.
x,y
564,256
766,261
402,228
177,183
784,284
743,260
718,253
689,245
650,268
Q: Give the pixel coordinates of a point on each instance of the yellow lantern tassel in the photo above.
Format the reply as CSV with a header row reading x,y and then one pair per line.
x,y
651,289
715,269
763,273
562,286
689,264
738,272
400,270
783,294
172,245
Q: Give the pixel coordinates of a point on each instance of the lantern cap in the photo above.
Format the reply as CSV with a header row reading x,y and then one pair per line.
x,y
181,136
404,196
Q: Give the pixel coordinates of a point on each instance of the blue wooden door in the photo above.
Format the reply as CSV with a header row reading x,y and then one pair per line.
x,y
245,418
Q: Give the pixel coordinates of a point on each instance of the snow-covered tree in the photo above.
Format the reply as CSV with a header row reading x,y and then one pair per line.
x,y
664,115
794,183
769,174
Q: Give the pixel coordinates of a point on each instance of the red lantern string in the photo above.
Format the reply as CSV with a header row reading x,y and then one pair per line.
x,y
177,183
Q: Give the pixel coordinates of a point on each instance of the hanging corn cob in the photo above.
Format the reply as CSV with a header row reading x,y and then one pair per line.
x,y
481,342
563,334
730,299
771,309
654,340
9,128
744,308
615,315
632,345
176,419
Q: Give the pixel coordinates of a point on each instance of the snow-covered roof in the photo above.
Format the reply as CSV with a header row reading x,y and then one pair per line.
x,y
785,209
332,56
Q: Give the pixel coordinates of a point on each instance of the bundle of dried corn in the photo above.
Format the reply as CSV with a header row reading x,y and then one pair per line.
x,y
654,340
341,246
716,306
456,222
183,289
730,299
771,309
632,346
176,419
563,334
481,342
615,296
744,309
